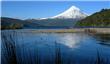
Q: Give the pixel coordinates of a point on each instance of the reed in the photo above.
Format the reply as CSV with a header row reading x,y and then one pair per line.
x,y
58,59
8,45
10,56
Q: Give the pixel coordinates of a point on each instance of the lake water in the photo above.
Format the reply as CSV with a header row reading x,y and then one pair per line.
x,y
26,47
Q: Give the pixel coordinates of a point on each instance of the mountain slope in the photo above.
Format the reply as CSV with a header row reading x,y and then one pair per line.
x,y
67,19
98,19
11,23
73,13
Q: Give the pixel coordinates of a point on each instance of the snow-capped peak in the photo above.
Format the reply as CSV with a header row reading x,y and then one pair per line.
x,y
74,8
73,12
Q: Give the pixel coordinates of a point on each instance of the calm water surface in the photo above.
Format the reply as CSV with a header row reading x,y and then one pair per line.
x,y
21,47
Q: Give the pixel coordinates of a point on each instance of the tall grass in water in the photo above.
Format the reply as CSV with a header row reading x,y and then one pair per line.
x,y
8,48
100,59
10,52
13,53
58,59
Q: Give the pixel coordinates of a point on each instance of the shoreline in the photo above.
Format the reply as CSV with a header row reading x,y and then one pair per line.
x,y
73,30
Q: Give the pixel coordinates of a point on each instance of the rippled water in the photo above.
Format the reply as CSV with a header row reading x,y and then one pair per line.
x,y
20,47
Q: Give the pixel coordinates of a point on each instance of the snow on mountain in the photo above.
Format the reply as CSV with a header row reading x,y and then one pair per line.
x,y
73,13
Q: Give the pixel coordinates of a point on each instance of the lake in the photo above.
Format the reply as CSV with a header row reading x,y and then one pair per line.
x,y
27,47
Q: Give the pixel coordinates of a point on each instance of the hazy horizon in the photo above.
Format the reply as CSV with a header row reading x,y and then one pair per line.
x,y
42,9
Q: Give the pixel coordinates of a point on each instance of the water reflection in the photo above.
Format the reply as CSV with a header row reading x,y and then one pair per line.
x,y
52,48
103,38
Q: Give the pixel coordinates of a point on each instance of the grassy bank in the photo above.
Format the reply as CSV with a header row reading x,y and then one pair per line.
x,y
73,30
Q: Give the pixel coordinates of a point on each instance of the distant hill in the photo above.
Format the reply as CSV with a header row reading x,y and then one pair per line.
x,y
11,23
54,22
98,19
66,19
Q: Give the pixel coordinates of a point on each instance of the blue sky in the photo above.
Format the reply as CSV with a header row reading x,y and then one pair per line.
x,y
55,0
42,9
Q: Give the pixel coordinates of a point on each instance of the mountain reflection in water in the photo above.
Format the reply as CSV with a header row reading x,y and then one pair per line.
x,y
20,47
